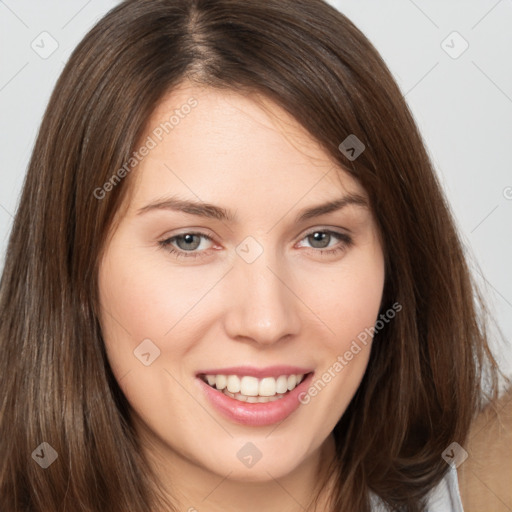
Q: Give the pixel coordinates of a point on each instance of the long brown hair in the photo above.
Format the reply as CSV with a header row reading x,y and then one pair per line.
x,y
423,383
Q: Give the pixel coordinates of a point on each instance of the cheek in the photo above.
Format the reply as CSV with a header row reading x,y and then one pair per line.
x,y
141,299
349,307
349,303
142,307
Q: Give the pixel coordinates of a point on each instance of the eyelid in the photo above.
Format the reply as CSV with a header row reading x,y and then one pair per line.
x,y
190,231
327,229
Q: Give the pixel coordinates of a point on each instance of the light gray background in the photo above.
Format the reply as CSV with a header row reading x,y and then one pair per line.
x,y
462,104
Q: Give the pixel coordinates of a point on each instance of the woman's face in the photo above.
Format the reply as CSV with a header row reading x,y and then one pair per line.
x,y
227,263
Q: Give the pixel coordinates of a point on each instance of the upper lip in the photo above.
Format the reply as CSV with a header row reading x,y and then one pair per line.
x,y
252,371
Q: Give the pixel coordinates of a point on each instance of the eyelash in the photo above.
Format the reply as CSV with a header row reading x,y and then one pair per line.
x,y
346,242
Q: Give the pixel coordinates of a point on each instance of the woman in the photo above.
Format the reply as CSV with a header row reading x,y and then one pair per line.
x,y
233,281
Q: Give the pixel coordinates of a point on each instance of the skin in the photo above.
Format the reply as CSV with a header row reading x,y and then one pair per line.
x,y
292,305
485,476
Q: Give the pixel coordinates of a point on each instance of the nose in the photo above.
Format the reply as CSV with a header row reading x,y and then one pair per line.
x,y
262,305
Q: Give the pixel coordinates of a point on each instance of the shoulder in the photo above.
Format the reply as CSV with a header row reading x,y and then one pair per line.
x,y
485,476
444,497
483,480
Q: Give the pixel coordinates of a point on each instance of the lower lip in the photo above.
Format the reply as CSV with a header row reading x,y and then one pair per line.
x,y
258,414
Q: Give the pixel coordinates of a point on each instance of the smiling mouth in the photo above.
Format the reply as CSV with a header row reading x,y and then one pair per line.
x,y
253,390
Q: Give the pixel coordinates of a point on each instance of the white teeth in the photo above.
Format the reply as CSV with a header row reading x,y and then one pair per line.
x,y
267,386
292,382
249,386
252,390
252,399
220,381
233,384
282,384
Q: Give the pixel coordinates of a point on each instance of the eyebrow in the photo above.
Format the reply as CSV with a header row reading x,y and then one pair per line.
x,y
212,211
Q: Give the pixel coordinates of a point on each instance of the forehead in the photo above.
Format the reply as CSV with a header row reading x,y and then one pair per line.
x,y
221,146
